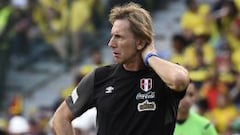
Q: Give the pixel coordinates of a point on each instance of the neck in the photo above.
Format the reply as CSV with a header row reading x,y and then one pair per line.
x,y
134,65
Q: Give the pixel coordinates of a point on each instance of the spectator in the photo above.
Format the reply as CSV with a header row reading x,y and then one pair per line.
x,y
189,122
211,89
178,44
224,106
195,16
234,41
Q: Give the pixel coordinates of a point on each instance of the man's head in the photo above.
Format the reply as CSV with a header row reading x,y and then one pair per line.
x,y
131,31
188,100
178,43
192,5
140,20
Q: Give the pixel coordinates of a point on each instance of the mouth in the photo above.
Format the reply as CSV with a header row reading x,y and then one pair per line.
x,y
115,54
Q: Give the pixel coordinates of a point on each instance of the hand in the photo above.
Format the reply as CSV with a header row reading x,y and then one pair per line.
x,y
148,49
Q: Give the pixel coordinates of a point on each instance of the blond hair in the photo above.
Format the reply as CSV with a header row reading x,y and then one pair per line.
x,y
140,20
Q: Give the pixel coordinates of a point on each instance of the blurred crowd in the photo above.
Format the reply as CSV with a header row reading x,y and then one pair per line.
x,y
32,30
208,45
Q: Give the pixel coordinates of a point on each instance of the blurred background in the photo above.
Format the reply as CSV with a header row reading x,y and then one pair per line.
x,y
47,46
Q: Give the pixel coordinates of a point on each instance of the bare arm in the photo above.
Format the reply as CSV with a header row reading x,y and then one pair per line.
x,y
73,105
62,120
175,76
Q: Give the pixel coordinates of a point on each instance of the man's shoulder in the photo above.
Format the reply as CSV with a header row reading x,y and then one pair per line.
x,y
107,68
104,71
204,124
199,119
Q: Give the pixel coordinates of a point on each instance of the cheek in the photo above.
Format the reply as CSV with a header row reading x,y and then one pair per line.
x,y
128,48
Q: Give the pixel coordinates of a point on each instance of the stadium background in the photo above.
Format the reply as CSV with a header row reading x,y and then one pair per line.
x,y
46,46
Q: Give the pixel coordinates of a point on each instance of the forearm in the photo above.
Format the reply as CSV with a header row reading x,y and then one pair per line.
x,y
175,76
62,120
62,127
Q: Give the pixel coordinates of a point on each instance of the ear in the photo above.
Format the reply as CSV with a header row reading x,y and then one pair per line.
x,y
141,44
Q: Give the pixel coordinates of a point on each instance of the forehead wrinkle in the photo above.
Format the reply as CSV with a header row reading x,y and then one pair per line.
x,y
120,26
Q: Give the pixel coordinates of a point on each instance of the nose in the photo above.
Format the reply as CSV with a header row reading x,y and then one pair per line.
x,y
111,43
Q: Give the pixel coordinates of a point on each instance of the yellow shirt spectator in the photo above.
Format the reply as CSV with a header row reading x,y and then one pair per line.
x,y
191,20
223,116
236,60
190,57
177,58
50,27
80,15
199,75
237,2
234,43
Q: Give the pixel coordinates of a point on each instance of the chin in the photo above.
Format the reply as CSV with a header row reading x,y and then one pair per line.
x,y
118,61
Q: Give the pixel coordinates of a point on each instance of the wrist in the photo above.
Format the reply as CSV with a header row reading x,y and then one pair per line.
x,y
146,58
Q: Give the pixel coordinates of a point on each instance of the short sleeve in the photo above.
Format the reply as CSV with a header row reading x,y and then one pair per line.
x,y
82,97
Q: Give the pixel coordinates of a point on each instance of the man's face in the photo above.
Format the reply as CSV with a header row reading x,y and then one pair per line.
x,y
189,99
123,42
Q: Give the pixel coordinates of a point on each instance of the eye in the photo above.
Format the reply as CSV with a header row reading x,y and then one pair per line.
x,y
117,36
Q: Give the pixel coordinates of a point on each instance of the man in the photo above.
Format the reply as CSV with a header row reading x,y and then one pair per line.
x,y
189,122
137,96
